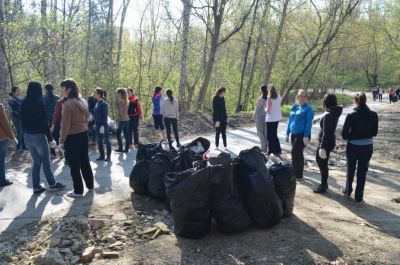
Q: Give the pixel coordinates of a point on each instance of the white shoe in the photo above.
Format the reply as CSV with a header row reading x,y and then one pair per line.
x,y
72,194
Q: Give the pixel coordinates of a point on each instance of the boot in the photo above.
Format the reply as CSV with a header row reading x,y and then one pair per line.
x,y
101,151
108,158
321,189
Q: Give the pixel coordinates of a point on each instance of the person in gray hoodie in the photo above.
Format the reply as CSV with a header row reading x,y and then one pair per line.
x,y
259,117
327,138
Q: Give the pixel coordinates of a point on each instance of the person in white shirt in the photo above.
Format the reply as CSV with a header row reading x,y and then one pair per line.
x,y
170,112
272,118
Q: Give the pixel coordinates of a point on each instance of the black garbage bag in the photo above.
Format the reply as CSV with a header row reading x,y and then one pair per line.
x,y
253,160
147,151
139,178
285,184
222,159
159,166
198,147
189,195
226,203
184,160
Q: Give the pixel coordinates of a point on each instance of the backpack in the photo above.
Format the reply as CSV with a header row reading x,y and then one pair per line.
x,y
132,107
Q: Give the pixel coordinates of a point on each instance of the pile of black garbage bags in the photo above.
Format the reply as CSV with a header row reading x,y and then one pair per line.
x,y
236,192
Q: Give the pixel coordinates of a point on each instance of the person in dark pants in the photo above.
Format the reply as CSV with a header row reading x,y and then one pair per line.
x,y
326,138
135,115
274,115
170,112
91,130
102,129
123,120
157,116
15,103
299,131
38,137
50,100
359,128
220,116
74,138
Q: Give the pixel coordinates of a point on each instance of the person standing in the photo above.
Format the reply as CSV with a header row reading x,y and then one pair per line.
x,y
299,131
74,138
220,116
391,95
259,117
170,112
101,120
359,128
15,103
37,137
91,130
6,135
273,117
327,138
381,92
123,119
135,114
157,116
50,100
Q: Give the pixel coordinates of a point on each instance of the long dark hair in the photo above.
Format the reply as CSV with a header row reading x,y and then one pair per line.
x,y
264,91
71,84
169,95
157,89
219,91
360,98
13,90
50,88
272,91
330,100
34,91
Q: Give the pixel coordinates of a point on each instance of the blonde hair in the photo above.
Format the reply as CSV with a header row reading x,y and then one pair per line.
x,y
123,94
301,91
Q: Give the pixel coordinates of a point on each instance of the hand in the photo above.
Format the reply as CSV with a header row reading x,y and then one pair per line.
x,y
101,130
322,153
217,124
52,128
14,141
306,141
61,148
287,138
53,144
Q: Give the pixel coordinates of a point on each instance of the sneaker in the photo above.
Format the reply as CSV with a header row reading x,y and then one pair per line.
x,y
346,194
39,190
72,194
6,183
101,158
360,201
320,189
118,150
108,158
57,186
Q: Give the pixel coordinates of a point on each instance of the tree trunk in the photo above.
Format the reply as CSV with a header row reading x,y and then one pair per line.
x,y
125,5
87,50
183,82
3,67
45,40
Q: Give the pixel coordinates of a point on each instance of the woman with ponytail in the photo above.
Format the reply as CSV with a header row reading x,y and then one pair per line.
x,y
170,112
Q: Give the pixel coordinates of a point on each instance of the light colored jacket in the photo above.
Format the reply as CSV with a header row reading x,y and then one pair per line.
x,y
122,107
74,118
170,109
5,127
259,113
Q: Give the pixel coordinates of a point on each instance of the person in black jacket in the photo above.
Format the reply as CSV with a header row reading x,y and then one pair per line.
x,y
326,138
38,137
360,127
100,114
15,103
220,117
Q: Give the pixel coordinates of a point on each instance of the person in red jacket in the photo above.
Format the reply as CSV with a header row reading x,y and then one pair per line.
x,y
135,113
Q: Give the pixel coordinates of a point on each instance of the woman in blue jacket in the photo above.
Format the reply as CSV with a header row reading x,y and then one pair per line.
x,y
299,130
100,115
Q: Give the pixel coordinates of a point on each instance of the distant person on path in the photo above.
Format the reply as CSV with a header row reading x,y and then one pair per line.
x,y
56,120
92,103
391,95
359,128
74,138
259,117
50,100
381,92
398,93
220,116
157,116
273,117
6,135
375,92
15,103
123,119
170,112
37,137
100,115
135,115
327,138
299,130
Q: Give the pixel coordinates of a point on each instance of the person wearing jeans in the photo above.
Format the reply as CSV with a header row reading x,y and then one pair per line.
x,y
74,138
299,131
272,118
157,116
170,112
135,114
220,116
100,115
259,118
123,119
359,128
6,135
37,137
326,138
15,103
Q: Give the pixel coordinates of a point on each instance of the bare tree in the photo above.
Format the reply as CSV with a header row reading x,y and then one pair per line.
x,y
125,5
3,66
45,40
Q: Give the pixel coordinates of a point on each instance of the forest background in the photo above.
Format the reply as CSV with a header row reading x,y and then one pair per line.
x,y
196,46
